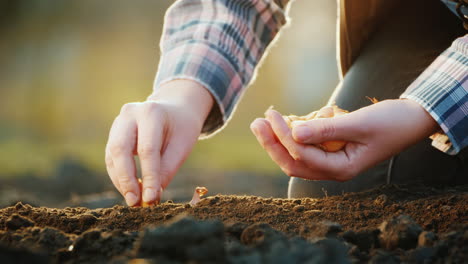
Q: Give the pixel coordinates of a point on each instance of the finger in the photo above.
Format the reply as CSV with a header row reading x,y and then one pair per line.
x,y
111,170
176,152
150,137
265,136
348,127
311,156
122,139
278,153
283,132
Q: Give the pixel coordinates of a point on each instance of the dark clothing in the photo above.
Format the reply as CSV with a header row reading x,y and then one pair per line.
x,y
396,54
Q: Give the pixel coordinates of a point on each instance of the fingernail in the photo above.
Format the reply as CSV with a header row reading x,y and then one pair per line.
x,y
253,128
269,111
149,195
131,199
301,132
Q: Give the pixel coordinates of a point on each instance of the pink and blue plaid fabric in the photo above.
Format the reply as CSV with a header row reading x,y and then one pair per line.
x,y
442,89
220,43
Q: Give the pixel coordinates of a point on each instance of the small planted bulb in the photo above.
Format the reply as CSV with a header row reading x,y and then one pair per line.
x,y
197,194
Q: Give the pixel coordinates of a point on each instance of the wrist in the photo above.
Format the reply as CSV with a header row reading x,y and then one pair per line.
x,y
188,94
424,120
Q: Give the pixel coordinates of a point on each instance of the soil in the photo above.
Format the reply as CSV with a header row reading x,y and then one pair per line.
x,y
391,224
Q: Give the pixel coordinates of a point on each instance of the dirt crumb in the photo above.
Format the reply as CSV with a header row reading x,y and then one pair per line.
x,y
390,224
16,221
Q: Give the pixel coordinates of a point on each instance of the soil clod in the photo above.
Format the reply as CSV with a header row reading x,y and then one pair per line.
x,y
16,222
391,224
399,232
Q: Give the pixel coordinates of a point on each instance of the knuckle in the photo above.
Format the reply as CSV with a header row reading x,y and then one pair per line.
x,y
109,162
149,108
163,171
296,153
150,179
327,128
128,108
126,183
117,149
147,151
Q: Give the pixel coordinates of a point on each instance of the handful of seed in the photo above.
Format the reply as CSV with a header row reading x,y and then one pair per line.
x,y
325,112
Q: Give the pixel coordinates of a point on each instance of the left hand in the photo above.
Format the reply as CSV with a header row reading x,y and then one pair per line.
x,y
373,134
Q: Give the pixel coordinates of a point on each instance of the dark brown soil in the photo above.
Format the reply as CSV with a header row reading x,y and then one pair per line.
x,y
391,224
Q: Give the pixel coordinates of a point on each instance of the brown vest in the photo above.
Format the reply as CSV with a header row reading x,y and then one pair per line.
x,y
357,21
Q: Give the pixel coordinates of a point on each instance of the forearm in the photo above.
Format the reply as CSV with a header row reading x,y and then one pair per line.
x,y
442,90
218,44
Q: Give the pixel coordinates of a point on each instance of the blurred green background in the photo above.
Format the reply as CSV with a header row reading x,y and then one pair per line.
x,y
67,67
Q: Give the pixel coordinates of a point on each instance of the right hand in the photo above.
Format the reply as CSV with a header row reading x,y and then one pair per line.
x,y
161,131
373,133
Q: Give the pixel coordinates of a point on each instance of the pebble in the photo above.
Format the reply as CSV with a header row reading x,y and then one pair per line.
x,y
364,240
214,200
235,229
16,221
381,200
446,208
399,232
257,234
87,219
384,257
299,208
297,201
189,240
325,229
426,239
19,205
421,255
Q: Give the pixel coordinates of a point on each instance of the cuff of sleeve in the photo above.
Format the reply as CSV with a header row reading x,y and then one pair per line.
x,y
212,68
442,89
441,140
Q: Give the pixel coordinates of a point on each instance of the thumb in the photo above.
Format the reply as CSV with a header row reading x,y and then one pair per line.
x,y
346,127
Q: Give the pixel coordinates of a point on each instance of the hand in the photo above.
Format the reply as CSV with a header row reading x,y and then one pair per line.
x,y
374,133
162,132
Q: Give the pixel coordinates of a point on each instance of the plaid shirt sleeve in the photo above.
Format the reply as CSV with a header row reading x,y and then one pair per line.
x,y
442,89
218,43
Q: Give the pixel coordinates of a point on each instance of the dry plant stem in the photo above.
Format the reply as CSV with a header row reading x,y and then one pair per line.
x,y
372,99
197,194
